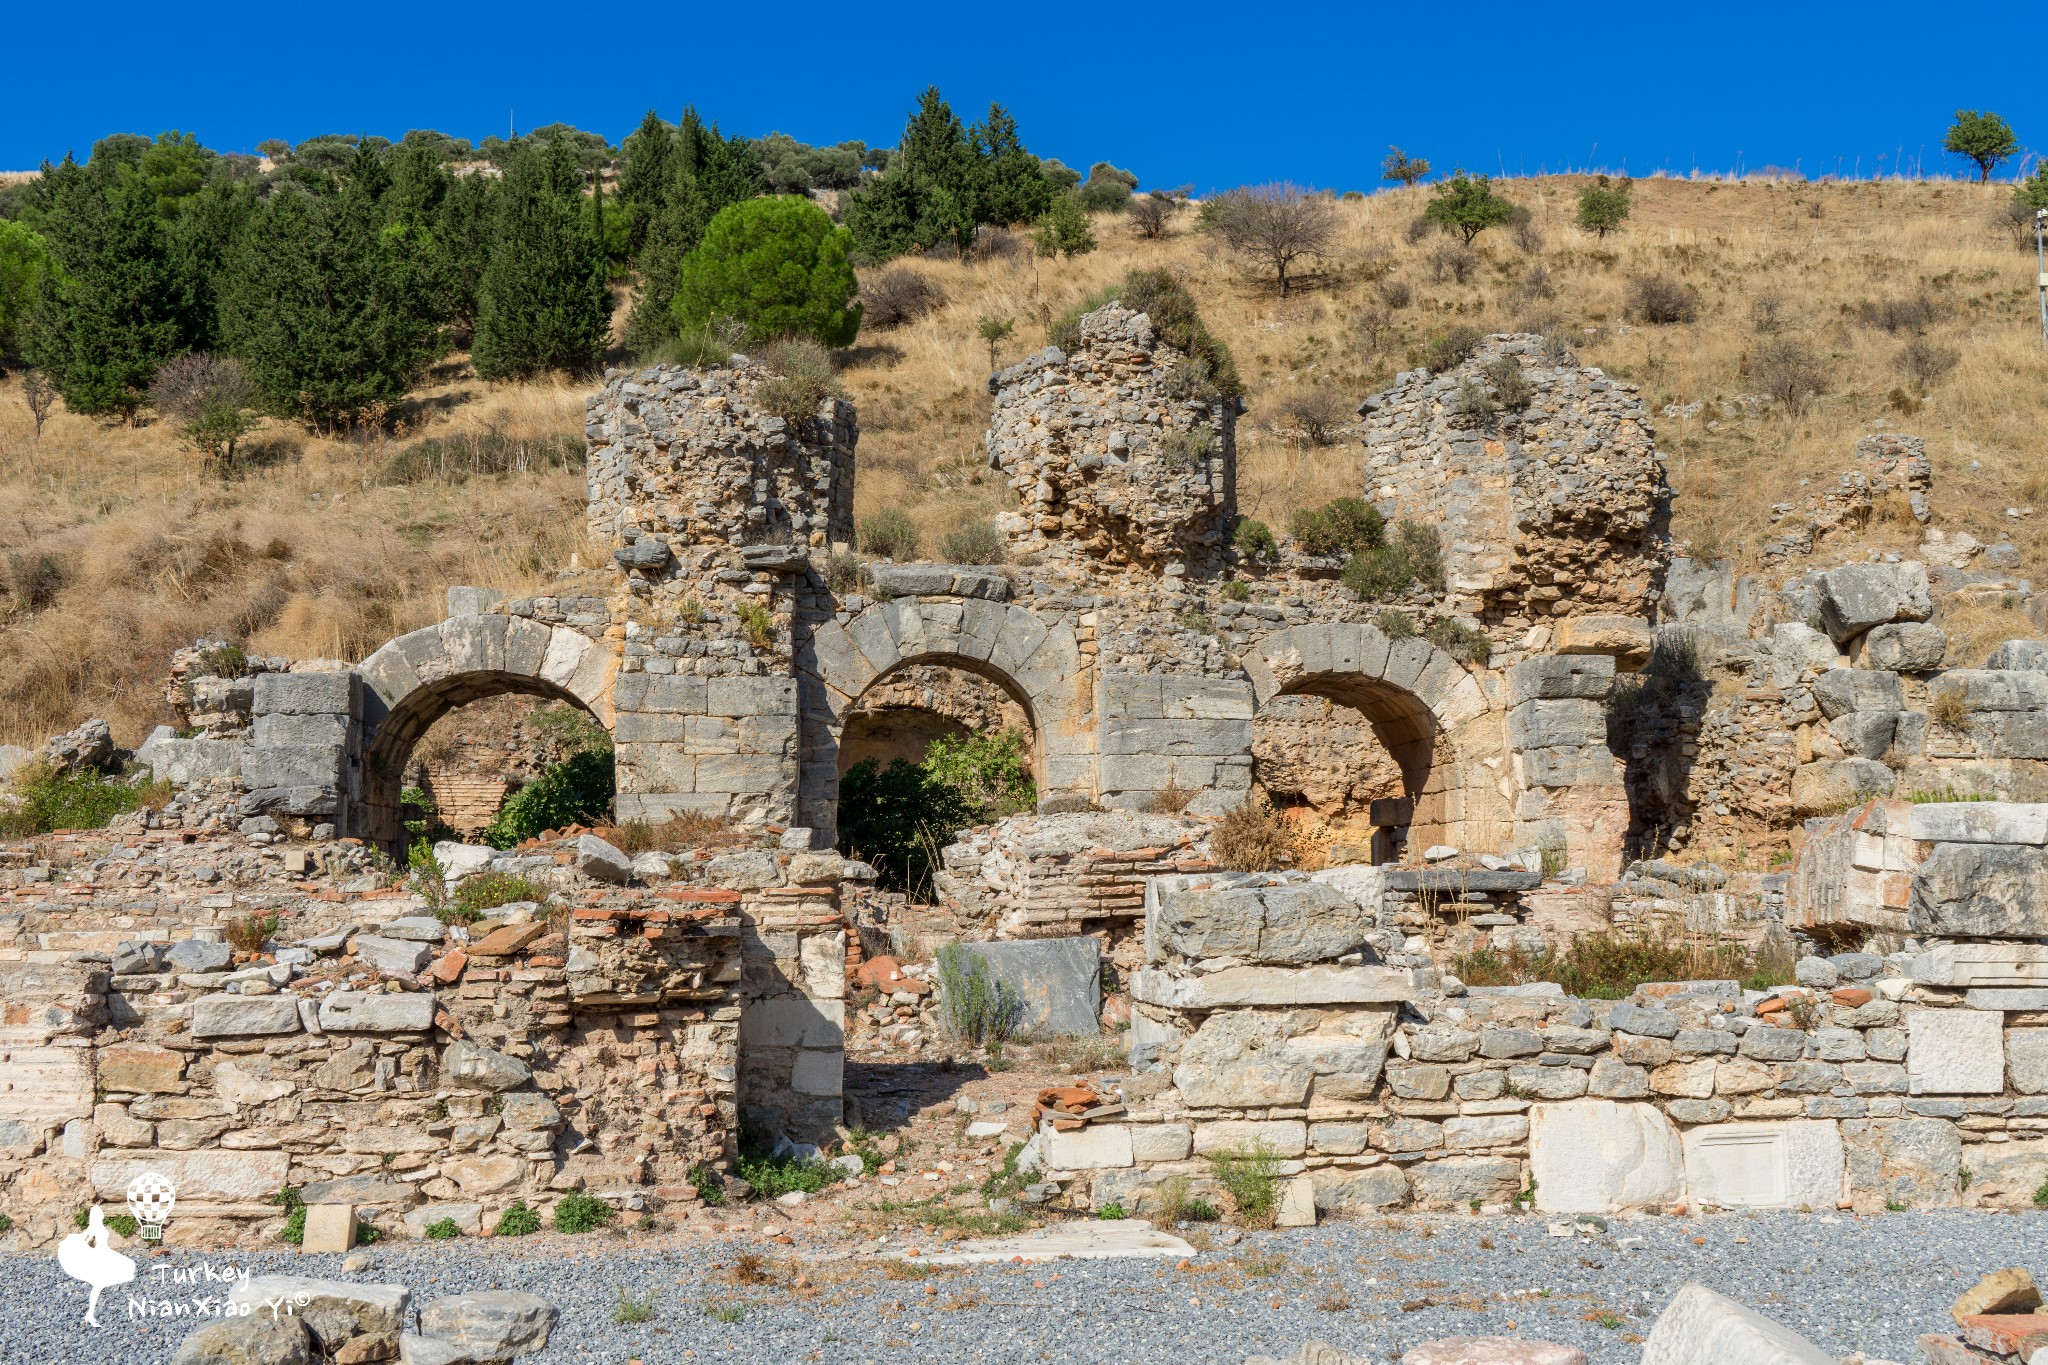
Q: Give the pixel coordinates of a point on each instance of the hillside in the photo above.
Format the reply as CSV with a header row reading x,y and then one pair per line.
x,y
117,548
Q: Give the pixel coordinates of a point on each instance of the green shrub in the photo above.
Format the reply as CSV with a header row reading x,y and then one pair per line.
x,y
1379,573
1462,642
1252,1179
580,1212
777,266
1236,590
517,1221
6,1225
774,1176
1341,526
709,1184
294,1230
1451,349
1395,625
1254,540
891,534
2041,1196
52,798
845,573
757,623
1111,1210
1512,390
223,661
977,542
121,1224
976,1008
1425,553
803,379
577,791
483,891
631,1310
898,817
1175,320
447,1229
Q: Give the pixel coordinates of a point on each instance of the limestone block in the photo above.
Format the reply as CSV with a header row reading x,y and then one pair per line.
x,y
236,1016
788,1021
200,1177
1979,822
1568,723
1790,1164
1156,1142
1585,674
362,1191
1479,1351
2008,1174
471,1066
2026,1060
1284,1137
1408,1135
1058,981
1840,691
368,1012
1291,924
255,1339
307,694
1700,1327
1456,1181
1685,1080
242,1082
1615,1080
496,1325
1797,648
2029,1000
1297,1203
1916,1162
818,1071
1906,647
1238,987
329,1228
1856,597
2030,655
1347,1190
485,1174
1486,1130
1339,1139
600,860
1865,734
469,1218
1981,891
392,954
1596,1156
1955,1052
1241,1059
1097,1146
1828,786
140,1067
1627,639
1985,689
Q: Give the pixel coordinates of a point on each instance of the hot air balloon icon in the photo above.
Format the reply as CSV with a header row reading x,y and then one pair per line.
x,y
150,1200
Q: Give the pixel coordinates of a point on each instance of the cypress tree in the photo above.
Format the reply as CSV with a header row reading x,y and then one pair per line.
x,y
647,157
1013,184
932,191
467,220
327,322
672,234
117,307
202,237
544,303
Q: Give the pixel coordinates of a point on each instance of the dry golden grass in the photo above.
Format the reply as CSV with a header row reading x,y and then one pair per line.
x,y
308,556
154,552
1821,250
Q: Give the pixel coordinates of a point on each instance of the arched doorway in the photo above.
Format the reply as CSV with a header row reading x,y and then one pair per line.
x,y
1426,709
417,679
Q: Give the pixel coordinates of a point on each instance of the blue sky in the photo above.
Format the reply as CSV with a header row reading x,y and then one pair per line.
x,y
1191,93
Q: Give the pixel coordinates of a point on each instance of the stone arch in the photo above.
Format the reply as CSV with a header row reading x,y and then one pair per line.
x,y
1431,713
414,680
1040,666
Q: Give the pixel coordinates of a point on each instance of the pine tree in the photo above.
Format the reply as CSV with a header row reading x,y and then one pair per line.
x,y
1013,184
410,214
329,322
672,234
544,303
201,237
117,307
779,267
727,170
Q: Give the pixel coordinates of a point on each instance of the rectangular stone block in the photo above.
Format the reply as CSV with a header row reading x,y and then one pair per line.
x,y
750,696
1981,891
1283,1137
199,1177
1096,1147
792,1021
292,765
1156,1142
240,1016
1979,822
1955,1052
1557,724
1239,987
1700,1327
1557,676
2002,998
1057,982
1784,1165
330,1228
307,694
320,731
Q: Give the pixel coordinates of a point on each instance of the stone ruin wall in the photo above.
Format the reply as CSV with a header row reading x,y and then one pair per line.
x,y
373,1056
1112,455
1293,1012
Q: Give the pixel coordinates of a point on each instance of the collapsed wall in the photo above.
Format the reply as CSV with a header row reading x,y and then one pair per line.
x,y
1281,1016
1543,474
610,1040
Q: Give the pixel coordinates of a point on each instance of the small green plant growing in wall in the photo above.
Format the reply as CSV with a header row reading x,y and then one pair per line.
x,y
977,1009
447,1229
758,625
1252,1179
518,1220
580,1212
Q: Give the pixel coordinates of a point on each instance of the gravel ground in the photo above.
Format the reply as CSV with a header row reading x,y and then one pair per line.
x,y
1371,1288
